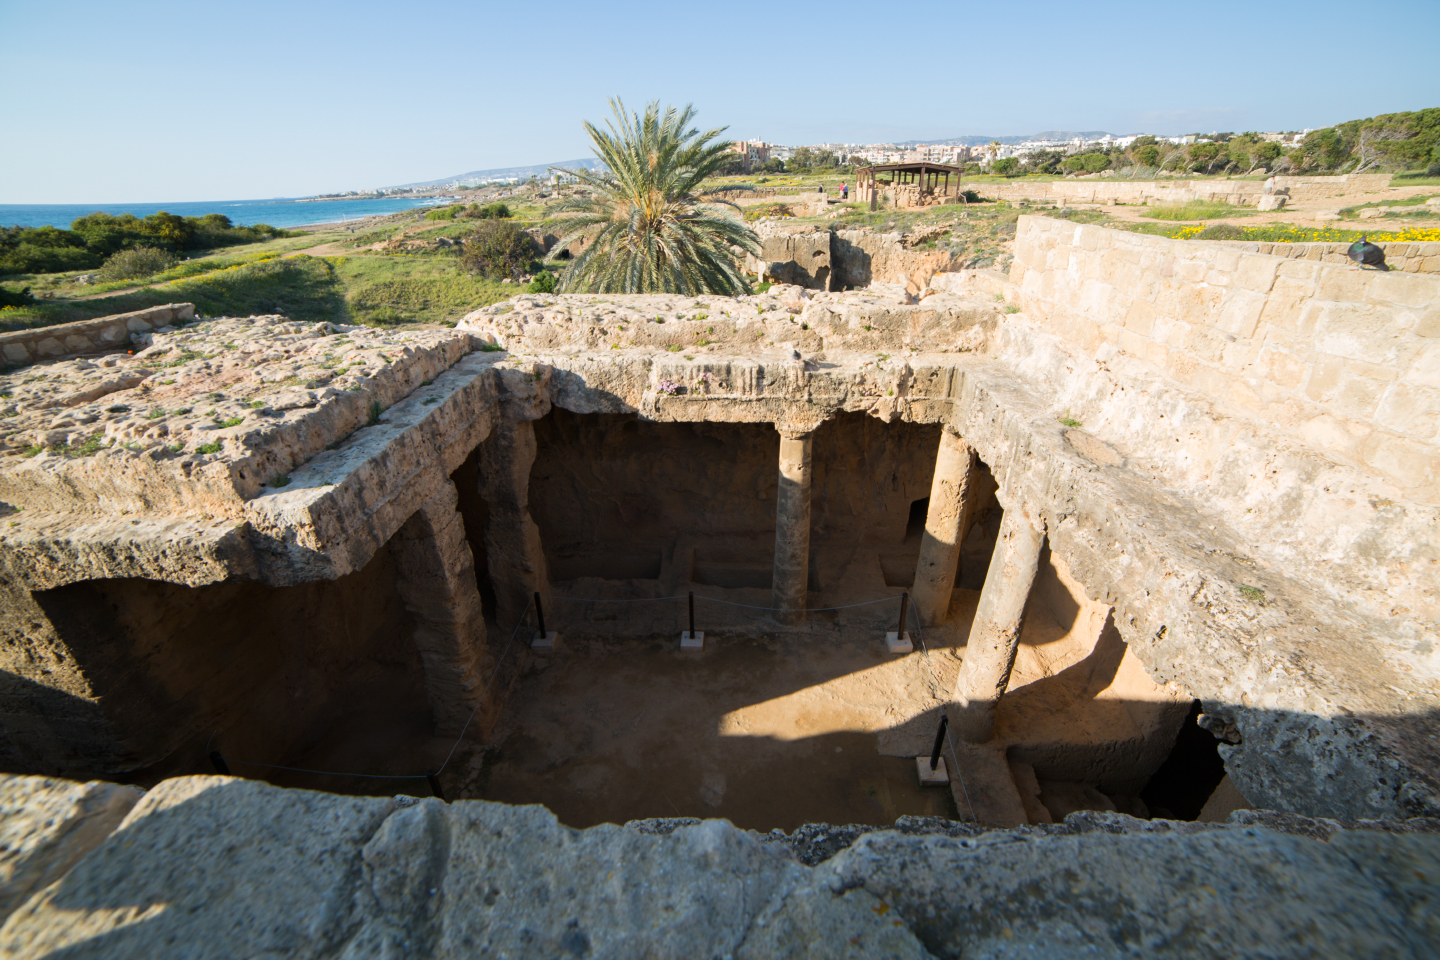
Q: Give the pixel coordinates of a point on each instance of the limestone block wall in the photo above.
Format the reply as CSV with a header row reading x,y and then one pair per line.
x,y
1343,361
1402,257
1239,192
88,336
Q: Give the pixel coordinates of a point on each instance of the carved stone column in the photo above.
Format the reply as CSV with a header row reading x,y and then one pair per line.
x,y
436,580
792,528
940,544
995,634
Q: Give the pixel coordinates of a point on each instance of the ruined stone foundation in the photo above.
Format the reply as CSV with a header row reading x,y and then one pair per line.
x,y
1148,524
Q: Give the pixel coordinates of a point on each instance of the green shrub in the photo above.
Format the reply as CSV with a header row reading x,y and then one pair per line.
x,y
1005,167
498,248
544,282
1086,163
492,211
14,298
136,263
446,213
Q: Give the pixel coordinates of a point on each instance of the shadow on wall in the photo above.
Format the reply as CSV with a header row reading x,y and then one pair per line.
x,y
271,668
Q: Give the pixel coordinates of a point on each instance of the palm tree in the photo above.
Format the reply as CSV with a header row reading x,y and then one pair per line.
x,y
650,227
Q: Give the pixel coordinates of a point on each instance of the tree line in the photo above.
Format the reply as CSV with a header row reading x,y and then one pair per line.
x,y
94,238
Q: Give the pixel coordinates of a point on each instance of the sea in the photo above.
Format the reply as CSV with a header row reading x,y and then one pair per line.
x,y
295,212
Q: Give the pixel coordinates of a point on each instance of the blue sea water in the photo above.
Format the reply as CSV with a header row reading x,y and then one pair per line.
x,y
277,213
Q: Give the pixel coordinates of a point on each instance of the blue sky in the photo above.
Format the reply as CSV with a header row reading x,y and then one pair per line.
x,y
155,101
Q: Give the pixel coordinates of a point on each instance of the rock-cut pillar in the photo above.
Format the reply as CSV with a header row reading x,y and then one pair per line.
x,y
995,632
792,529
940,544
435,575
512,540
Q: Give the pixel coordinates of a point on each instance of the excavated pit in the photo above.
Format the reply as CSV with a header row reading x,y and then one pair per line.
x,y
768,727
341,597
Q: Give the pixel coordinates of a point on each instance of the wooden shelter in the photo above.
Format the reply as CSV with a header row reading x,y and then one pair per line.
x,y
916,181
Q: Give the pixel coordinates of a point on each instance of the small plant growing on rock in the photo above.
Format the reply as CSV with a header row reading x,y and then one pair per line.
x,y
208,447
1070,421
232,422
669,386
1253,594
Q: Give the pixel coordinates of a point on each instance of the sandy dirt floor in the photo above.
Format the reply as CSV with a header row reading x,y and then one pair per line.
x,y
769,731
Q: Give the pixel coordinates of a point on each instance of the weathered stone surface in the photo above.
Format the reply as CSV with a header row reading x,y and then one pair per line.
x,y
47,825
1161,895
204,865
209,866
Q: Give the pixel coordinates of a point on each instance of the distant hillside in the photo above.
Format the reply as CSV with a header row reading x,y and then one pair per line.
x,y
501,173
1043,135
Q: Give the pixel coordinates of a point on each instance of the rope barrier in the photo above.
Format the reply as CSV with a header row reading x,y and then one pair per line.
x,y
493,674
728,603
919,634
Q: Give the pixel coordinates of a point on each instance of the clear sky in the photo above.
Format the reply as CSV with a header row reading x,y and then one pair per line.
x,y
133,101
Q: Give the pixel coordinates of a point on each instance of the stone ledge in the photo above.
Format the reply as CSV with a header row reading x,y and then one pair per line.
x,y
302,874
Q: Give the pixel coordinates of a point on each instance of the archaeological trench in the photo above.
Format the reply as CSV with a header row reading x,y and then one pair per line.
x,y
1162,515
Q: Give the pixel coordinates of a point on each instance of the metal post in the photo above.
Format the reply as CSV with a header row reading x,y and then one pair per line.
x,y
540,616
939,741
435,787
692,614
220,765
904,602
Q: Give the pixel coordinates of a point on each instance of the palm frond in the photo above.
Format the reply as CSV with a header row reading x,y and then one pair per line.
x,y
649,225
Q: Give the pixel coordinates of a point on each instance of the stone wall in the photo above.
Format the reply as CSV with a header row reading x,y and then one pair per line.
x,y
1399,257
88,336
1239,192
1343,361
620,498
821,259
150,673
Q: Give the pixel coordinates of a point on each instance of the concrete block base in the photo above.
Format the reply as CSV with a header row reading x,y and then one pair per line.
x,y
931,778
687,642
546,643
899,643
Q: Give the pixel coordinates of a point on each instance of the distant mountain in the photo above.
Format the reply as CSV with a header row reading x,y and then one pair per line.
x,y
538,170
1044,135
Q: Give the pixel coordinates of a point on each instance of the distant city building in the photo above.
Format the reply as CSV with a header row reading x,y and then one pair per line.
x,y
753,153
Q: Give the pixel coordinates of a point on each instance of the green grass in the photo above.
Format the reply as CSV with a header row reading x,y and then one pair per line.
x,y
302,288
1194,210
388,290
1417,179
